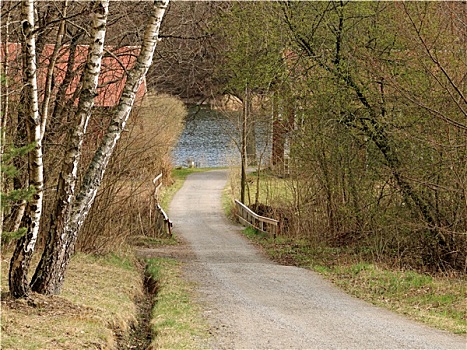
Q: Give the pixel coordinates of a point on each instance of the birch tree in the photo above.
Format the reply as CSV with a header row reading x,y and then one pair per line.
x,y
22,255
49,275
69,172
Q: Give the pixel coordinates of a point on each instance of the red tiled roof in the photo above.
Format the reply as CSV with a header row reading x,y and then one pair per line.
x,y
111,80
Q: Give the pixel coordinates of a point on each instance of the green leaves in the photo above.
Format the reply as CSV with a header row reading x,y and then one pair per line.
x,y
253,48
10,197
16,195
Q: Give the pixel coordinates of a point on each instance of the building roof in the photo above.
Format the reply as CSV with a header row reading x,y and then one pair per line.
x,y
111,79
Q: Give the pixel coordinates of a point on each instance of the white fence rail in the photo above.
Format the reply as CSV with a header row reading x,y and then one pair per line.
x,y
248,217
163,223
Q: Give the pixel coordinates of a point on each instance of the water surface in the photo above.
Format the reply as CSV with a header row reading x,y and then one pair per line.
x,y
210,140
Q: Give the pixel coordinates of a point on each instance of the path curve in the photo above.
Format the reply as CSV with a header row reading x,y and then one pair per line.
x,y
252,303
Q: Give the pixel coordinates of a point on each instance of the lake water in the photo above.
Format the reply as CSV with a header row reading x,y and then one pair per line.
x,y
209,140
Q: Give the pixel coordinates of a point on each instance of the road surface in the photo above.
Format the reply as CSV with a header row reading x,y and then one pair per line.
x,y
251,302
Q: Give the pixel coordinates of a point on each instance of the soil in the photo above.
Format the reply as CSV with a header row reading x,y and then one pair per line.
x,y
139,336
251,302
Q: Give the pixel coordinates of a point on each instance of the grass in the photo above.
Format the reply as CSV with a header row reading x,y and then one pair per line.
x,y
96,303
97,306
176,321
272,189
436,300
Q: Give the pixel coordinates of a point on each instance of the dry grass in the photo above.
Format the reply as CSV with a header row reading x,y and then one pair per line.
x,y
439,301
122,208
95,308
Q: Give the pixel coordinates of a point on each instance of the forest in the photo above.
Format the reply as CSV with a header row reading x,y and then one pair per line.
x,y
367,103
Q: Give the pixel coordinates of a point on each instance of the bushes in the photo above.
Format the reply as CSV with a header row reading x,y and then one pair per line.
x,y
374,222
124,204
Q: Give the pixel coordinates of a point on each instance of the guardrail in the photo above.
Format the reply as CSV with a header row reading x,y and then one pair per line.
x,y
157,182
248,217
163,223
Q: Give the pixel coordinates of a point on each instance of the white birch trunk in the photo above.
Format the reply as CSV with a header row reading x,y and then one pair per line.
x,y
96,170
44,278
21,259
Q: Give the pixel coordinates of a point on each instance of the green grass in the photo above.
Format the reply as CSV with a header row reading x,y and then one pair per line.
x,y
272,189
98,302
121,261
254,234
436,300
149,242
176,321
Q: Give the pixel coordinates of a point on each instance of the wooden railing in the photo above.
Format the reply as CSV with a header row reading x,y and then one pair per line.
x,y
157,182
248,217
163,223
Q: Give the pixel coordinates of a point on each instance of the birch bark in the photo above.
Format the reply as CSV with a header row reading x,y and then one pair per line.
x,y
19,264
52,280
44,277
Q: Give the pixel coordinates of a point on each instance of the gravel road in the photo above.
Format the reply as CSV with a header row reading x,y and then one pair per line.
x,y
251,302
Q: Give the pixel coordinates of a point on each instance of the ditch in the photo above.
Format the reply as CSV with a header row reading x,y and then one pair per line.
x,y
140,335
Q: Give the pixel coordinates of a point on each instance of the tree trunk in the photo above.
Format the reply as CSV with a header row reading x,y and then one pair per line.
x,y
60,103
278,138
52,255
50,274
5,94
243,153
250,132
19,264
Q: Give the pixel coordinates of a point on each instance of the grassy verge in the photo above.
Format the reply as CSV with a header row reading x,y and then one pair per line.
x,y
95,308
439,301
272,189
176,322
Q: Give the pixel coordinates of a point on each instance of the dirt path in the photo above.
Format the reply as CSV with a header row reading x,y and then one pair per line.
x,y
253,303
